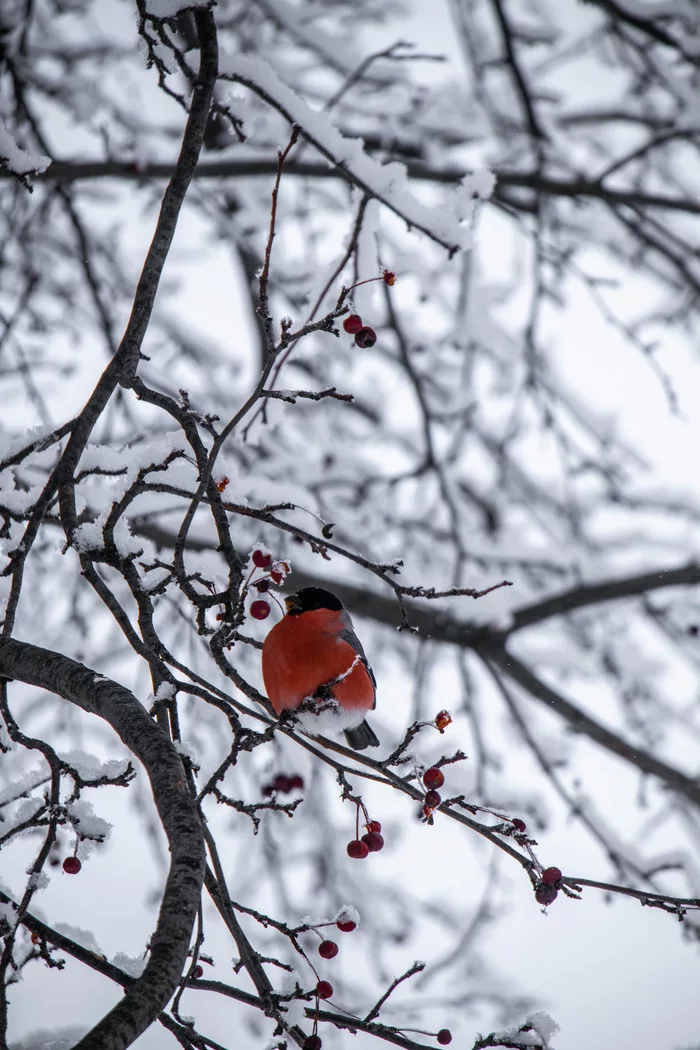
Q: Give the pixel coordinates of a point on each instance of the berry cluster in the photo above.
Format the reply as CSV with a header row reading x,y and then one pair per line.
x,y
548,888
328,949
283,784
365,337
371,842
433,779
275,573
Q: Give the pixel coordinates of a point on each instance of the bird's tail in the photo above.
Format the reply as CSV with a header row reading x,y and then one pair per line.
x,y
361,737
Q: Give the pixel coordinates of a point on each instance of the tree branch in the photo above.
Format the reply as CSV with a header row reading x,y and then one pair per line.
x,y
176,807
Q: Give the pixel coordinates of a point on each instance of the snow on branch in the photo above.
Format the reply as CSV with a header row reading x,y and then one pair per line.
x,y
20,162
448,226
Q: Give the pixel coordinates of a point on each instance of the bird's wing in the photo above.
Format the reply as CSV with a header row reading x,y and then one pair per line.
x,y
348,635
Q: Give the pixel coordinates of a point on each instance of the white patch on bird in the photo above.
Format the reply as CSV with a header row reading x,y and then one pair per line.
x,y
325,714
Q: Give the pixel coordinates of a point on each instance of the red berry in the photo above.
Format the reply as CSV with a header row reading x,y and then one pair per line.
x,y
266,790
262,560
374,841
296,783
374,825
365,338
444,1036
432,799
324,989
389,277
222,483
346,927
352,323
546,894
312,1042
260,610
442,720
282,783
518,824
197,972
357,850
328,949
72,865
551,876
36,939
262,585
433,778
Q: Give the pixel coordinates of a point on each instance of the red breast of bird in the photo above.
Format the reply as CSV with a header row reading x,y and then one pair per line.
x,y
315,648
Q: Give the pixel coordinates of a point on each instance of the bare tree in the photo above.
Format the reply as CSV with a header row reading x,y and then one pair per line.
x,y
163,473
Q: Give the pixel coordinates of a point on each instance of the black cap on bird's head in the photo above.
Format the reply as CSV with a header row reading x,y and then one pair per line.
x,y
309,598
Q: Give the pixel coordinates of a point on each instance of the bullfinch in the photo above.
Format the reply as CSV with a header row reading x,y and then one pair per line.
x,y
314,654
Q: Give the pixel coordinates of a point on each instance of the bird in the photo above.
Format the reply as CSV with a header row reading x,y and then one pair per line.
x,y
313,654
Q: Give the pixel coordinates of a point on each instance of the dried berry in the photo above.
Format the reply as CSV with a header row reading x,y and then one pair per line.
x,y
551,876
546,894
432,799
389,277
442,720
518,824
197,972
365,338
374,825
262,560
